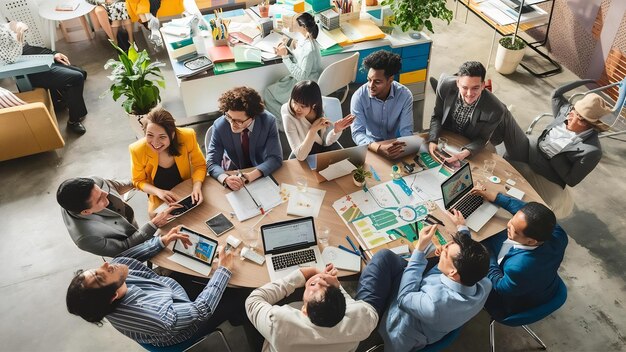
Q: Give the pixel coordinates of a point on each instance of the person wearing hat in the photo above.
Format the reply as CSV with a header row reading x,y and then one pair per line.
x,y
567,150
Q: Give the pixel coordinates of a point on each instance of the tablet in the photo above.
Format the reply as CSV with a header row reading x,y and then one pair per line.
x,y
219,224
202,248
187,204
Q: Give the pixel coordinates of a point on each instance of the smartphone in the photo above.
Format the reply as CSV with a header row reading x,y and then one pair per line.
x,y
219,224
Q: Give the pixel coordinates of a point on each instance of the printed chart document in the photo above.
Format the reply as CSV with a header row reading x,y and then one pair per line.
x,y
264,192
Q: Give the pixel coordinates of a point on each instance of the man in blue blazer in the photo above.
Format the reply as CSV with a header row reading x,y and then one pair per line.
x,y
245,136
524,258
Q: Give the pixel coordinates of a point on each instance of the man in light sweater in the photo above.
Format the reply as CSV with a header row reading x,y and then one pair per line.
x,y
327,319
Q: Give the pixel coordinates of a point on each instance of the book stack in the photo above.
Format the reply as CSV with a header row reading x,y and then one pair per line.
x,y
183,49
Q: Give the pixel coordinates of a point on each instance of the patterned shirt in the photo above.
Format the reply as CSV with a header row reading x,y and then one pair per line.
x,y
10,47
156,309
462,114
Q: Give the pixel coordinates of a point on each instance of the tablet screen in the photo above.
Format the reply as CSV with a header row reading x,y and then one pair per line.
x,y
187,204
202,248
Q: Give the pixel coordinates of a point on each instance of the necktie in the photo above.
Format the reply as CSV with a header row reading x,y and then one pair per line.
x,y
245,148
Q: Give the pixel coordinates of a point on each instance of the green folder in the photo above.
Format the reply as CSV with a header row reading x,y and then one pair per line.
x,y
335,49
226,67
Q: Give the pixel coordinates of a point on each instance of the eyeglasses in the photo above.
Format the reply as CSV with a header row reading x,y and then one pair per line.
x,y
578,116
234,122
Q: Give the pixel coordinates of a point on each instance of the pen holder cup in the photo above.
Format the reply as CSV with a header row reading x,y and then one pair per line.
x,y
220,42
349,16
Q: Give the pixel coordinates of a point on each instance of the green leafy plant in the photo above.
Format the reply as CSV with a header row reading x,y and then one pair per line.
x,y
512,42
134,78
416,14
360,174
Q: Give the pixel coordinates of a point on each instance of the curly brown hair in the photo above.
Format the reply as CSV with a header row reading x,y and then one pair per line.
x,y
164,119
242,99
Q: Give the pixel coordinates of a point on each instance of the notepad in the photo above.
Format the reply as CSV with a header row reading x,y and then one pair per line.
x,y
341,259
221,53
246,54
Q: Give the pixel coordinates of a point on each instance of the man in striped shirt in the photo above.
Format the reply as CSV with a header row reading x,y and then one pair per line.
x,y
147,307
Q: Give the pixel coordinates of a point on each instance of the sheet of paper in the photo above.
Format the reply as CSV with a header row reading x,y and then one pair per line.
x,y
324,40
338,169
302,203
264,191
268,43
426,185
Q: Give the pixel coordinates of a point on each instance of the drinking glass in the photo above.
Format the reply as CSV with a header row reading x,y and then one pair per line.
x,y
302,184
323,234
488,167
442,143
251,237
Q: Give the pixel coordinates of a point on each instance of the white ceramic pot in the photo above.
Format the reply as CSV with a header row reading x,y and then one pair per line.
x,y
507,60
357,183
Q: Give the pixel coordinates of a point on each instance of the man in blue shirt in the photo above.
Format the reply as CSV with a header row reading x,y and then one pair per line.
x,y
244,137
421,308
524,258
383,107
147,307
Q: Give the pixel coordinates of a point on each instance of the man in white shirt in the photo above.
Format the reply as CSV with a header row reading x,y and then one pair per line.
x,y
327,319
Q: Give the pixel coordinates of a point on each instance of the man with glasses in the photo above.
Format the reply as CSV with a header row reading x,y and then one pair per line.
x,y
567,150
463,106
245,137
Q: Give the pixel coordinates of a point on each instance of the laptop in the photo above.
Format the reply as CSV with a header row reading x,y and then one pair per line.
x,y
456,195
290,245
320,161
197,257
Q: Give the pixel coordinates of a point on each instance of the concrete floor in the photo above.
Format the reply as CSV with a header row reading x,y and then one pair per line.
x,y
38,258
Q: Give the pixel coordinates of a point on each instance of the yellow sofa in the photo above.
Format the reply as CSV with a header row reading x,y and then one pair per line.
x,y
31,128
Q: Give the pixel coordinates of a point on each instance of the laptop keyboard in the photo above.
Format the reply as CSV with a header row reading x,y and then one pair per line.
x,y
468,204
282,261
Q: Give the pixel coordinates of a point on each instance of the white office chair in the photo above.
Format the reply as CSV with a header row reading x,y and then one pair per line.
x,y
27,11
332,111
338,75
207,140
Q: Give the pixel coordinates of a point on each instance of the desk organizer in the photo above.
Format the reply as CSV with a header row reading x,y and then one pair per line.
x,y
220,42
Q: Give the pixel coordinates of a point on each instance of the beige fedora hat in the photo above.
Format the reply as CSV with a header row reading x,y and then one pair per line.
x,y
592,108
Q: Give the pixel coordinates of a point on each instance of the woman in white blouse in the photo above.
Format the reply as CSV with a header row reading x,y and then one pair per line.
x,y
307,130
303,60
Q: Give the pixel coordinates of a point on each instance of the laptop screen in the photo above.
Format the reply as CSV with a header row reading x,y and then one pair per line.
x,y
288,235
457,185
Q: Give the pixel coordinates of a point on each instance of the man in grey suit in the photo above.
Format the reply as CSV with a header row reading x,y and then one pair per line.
x,y
567,150
98,219
463,106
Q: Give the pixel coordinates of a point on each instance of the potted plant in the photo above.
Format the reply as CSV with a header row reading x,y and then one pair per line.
x,y
137,79
359,175
412,16
510,53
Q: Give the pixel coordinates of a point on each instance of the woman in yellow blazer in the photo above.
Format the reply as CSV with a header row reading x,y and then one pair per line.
x,y
166,156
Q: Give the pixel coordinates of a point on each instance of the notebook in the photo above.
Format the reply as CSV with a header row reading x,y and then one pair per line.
x,y
341,259
221,54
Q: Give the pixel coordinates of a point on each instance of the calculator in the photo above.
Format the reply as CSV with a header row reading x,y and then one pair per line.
x,y
199,63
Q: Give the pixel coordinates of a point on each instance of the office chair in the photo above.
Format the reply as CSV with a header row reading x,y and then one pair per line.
x,y
332,111
190,345
207,140
436,346
339,74
531,316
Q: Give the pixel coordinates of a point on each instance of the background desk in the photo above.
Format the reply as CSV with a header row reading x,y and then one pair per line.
x,y
200,93
248,274
47,11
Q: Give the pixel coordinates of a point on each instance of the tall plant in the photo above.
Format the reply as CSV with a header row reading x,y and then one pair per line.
x,y
416,14
134,78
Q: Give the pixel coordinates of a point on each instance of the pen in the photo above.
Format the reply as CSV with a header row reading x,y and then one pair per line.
x,y
346,249
352,245
362,253
250,194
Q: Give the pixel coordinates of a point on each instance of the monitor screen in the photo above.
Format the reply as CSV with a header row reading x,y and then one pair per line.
x,y
288,234
457,185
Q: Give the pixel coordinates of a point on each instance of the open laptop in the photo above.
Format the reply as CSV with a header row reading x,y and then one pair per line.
x,y
356,155
197,257
290,245
456,195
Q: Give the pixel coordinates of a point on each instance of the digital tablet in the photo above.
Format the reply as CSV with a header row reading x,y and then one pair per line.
x,y
187,204
202,248
219,224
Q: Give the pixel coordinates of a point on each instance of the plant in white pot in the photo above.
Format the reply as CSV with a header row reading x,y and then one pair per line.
x,y
359,175
510,53
412,16
137,79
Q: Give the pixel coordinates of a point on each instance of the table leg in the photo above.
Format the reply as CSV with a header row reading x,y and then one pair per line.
x,y
52,30
86,27
493,41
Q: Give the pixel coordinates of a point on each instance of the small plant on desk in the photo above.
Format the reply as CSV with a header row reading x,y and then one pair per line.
x,y
359,175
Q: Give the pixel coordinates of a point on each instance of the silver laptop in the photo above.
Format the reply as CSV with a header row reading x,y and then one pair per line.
x,y
320,161
290,245
456,195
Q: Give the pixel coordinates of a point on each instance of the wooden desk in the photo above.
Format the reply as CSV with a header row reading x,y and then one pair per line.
x,y
248,274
